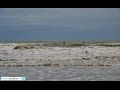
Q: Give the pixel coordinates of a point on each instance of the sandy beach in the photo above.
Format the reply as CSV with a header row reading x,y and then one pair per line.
x,y
39,54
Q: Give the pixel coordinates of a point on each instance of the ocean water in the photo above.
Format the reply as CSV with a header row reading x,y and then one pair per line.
x,y
66,73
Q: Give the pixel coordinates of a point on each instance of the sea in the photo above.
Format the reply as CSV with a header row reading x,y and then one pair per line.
x,y
63,73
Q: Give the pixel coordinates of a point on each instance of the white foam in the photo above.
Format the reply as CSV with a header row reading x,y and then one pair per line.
x,y
59,55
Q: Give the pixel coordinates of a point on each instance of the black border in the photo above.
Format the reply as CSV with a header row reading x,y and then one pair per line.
x,y
61,84
59,4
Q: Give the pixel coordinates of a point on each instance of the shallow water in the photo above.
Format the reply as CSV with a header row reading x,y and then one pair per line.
x,y
74,73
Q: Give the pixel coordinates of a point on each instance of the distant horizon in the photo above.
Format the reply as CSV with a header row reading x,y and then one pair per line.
x,y
32,41
59,24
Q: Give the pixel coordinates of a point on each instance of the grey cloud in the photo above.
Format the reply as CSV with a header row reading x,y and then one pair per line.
x,y
68,18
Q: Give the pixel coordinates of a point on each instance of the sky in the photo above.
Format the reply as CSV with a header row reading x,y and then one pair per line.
x,y
59,24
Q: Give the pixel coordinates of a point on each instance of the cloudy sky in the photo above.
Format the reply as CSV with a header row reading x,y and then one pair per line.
x,y
59,24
